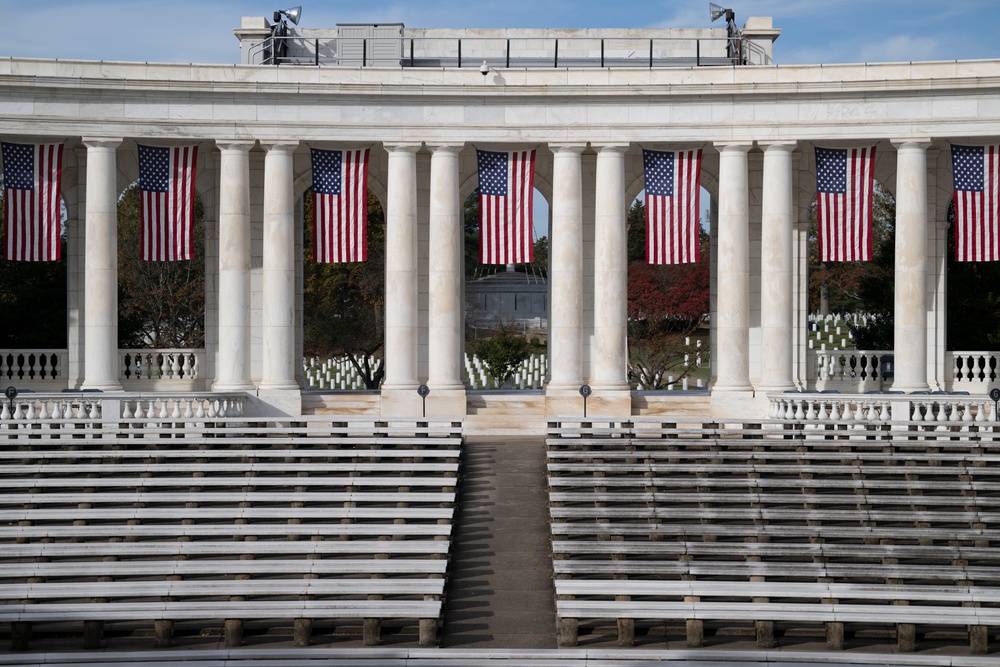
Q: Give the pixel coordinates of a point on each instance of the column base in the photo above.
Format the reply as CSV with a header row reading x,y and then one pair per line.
x,y
274,403
102,386
566,402
736,403
221,387
449,403
402,402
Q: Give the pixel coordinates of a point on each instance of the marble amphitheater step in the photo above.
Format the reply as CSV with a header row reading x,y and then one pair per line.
x,y
499,592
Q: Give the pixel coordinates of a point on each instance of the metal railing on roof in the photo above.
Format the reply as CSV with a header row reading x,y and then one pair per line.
x,y
515,52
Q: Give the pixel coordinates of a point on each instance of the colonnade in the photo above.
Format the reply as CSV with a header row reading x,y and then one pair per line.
x,y
607,371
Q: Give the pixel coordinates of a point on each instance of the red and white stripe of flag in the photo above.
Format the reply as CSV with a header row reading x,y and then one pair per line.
x,y
168,217
672,223
340,221
32,217
845,218
505,232
977,215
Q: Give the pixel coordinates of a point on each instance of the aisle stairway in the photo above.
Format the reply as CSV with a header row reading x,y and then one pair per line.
x,y
500,586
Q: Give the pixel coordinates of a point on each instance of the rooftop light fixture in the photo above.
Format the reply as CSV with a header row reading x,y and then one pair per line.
x,y
293,14
718,12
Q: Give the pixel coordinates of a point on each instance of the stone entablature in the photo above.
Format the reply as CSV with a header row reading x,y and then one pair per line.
x,y
757,125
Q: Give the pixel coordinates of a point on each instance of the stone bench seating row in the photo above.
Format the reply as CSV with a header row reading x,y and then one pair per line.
x,y
744,527
654,429
779,447
696,602
280,523
731,531
784,516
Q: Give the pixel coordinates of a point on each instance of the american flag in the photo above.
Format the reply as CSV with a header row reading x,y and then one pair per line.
x,y
976,170
506,184
673,193
167,185
845,180
340,205
32,177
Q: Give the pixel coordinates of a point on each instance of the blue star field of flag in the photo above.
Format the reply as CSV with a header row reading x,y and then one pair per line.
x,y
19,166
326,171
492,173
831,169
967,163
154,168
659,171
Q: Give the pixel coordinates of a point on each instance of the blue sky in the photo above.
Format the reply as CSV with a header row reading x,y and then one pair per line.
x,y
813,31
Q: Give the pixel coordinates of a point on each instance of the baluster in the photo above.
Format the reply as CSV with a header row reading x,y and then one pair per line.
x,y
200,411
942,412
163,414
956,409
163,366
188,412
859,412
176,412
95,410
150,411
799,413
811,412
884,413
31,410
4,412
126,409
17,411
213,409
43,412
188,368
980,412
175,366
822,416
872,416
224,407
57,412
789,410
835,411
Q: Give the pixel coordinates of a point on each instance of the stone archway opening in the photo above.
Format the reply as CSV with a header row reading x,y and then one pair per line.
x,y
343,310
668,309
506,309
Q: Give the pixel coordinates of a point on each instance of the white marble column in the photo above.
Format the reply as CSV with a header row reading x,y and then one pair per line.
x,y
776,268
732,360
910,321
566,270
401,269
610,271
278,271
447,238
233,358
101,267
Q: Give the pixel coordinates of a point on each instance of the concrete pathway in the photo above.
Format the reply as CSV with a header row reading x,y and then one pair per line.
x,y
500,592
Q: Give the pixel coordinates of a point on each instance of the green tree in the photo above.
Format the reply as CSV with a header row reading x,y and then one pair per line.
x,y
503,352
33,302
344,304
160,304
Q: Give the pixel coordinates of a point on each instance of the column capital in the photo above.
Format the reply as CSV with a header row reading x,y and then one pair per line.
x,y
234,144
102,142
446,146
568,147
778,145
919,143
279,146
732,146
610,147
402,146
